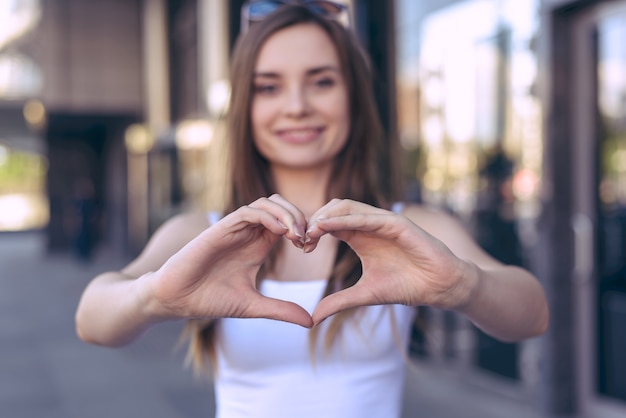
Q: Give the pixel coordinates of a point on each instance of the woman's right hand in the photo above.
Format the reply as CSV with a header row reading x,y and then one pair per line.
x,y
214,275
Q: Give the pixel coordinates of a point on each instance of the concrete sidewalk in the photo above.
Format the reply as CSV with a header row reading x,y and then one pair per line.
x,y
46,372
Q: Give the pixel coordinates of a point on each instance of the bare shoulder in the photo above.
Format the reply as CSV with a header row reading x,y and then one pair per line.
x,y
167,240
433,220
188,224
448,229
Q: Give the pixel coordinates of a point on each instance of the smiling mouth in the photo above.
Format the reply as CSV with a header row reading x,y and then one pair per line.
x,y
299,135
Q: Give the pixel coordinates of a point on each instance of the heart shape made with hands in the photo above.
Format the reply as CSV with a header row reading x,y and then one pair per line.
x,y
366,244
401,263
392,270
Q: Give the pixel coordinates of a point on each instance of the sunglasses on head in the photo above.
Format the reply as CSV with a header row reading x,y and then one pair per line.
x,y
257,10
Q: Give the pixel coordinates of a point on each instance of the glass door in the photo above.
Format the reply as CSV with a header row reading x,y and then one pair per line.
x,y
468,121
611,204
600,222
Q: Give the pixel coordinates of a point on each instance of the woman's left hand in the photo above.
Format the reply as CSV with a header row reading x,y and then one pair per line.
x,y
401,262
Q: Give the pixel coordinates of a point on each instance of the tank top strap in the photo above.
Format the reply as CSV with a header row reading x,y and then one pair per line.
x,y
214,217
398,207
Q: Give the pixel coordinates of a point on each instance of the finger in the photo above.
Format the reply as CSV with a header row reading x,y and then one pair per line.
x,y
297,214
298,226
324,210
313,232
280,310
385,225
312,239
339,209
342,300
286,212
245,216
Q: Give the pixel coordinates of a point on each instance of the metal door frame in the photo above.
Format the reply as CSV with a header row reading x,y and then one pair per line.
x,y
583,183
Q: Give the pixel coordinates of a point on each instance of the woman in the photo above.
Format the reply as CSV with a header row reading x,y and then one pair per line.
x,y
310,233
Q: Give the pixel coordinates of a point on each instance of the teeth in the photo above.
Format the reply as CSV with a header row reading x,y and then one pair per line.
x,y
302,134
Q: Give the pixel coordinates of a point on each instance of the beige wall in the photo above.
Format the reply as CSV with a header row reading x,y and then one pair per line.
x,y
90,55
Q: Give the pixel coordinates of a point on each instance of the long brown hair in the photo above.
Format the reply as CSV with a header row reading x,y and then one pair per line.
x,y
360,170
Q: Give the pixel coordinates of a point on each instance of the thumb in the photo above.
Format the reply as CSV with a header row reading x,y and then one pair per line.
x,y
340,301
280,310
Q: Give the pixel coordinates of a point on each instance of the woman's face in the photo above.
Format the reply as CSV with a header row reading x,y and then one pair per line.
x,y
300,116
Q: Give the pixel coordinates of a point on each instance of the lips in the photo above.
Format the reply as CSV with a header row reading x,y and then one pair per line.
x,y
299,135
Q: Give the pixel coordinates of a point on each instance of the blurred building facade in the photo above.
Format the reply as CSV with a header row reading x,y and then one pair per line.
x,y
510,114
23,200
520,132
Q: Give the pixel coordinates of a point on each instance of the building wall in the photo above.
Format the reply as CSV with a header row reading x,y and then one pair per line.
x,y
90,54
568,226
576,247
91,57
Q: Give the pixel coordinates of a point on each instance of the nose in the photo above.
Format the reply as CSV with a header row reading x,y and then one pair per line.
x,y
297,102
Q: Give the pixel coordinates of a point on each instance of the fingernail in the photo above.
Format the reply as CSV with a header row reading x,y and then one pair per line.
x,y
317,324
299,231
282,225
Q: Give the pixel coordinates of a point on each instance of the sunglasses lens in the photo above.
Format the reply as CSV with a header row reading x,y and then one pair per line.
x,y
325,8
259,10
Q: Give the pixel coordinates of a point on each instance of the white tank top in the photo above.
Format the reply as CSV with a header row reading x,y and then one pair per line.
x,y
264,367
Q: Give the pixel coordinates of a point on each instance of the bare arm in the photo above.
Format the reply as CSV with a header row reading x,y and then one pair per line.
x,y
190,271
427,258
114,308
505,301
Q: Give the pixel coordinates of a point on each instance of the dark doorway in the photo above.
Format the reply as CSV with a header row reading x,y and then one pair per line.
x,y
85,181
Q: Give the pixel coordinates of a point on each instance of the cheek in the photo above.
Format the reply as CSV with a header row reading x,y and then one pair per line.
x,y
257,116
261,117
342,115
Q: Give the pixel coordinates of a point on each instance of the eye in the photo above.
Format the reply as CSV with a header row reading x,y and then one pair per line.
x,y
324,82
267,89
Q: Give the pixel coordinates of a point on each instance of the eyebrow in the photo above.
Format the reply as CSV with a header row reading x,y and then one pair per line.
x,y
310,72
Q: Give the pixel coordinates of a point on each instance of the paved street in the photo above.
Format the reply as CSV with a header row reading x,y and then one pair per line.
x,y
46,372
